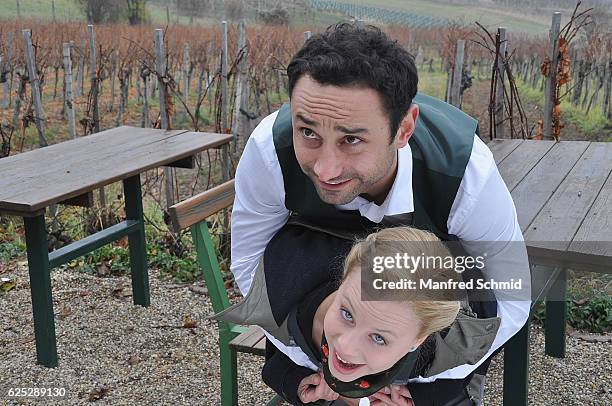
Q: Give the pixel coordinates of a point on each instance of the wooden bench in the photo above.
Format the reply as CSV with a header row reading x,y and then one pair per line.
x,y
233,338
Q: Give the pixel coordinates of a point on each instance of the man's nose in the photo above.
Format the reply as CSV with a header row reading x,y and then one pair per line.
x,y
328,165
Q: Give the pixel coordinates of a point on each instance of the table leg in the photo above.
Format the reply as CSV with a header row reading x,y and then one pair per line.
x,y
138,246
516,368
556,313
40,286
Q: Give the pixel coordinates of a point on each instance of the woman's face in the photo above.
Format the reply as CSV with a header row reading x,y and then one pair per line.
x,y
366,337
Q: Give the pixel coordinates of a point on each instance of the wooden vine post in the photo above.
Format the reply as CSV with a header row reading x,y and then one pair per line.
x,y
224,103
39,119
551,85
160,67
68,97
455,92
240,101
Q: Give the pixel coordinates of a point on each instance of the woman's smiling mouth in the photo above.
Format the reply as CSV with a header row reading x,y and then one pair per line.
x,y
342,366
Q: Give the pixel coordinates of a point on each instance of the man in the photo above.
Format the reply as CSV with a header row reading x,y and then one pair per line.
x,y
357,149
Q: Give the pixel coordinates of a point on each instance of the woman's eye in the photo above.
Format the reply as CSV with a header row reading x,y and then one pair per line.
x,y
308,133
352,140
378,339
346,315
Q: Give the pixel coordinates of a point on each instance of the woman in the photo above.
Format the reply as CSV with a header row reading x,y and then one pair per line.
x,y
355,348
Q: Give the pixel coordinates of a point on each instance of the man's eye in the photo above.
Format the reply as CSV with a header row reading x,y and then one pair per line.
x,y
378,339
308,133
346,315
352,140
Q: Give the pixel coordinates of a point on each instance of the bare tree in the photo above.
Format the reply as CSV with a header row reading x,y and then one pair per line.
x,y
136,11
101,11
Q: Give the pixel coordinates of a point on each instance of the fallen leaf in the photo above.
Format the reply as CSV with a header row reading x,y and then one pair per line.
x,y
102,270
123,242
119,292
98,393
64,312
200,290
188,322
134,360
6,284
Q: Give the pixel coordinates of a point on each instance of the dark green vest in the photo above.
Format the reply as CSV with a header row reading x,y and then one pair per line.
x,y
441,147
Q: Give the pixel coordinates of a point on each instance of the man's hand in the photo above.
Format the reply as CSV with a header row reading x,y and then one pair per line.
x,y
392,395
314,387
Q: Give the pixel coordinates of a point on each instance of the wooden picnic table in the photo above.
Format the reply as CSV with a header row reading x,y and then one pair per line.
x,y
67,173
563,196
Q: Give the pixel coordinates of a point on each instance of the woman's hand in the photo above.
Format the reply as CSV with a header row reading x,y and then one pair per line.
x,y
314,387
392,395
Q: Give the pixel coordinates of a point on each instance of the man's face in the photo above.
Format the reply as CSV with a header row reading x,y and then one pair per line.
x,y
341,138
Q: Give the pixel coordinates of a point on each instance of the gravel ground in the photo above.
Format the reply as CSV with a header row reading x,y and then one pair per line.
x,y
112,352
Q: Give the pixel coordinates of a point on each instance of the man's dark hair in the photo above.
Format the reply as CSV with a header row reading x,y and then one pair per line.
x,y
354,54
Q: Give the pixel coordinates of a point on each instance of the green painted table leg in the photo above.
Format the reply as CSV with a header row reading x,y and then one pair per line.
x,y
516,368
138,246
40,285
556,313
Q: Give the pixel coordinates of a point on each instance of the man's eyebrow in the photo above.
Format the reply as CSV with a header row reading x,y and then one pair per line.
x,y
306,121
339,128
351,131
389,332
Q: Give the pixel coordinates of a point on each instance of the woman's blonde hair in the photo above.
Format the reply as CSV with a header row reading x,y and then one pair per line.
x,y
433,312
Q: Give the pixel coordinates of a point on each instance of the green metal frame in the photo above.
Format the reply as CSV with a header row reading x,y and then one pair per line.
x,y
40,263
549,283
207,259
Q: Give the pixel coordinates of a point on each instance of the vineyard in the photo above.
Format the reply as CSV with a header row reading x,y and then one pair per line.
x,y
227,77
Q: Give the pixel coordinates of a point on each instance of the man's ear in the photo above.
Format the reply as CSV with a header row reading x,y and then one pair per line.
x,y
407,126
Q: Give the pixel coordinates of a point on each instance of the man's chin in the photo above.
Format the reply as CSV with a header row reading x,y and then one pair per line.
x,y
336,198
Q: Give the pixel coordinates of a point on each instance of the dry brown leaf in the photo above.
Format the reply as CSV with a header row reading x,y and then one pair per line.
x,y
64,312
200,290
133,360
188,322
545,67
102,270
98,393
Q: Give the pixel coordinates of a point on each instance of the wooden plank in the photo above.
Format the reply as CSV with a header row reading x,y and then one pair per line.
x,y
558,222
260,347
534,190
38,192
518,164
201,206
502,148
594,235
251,341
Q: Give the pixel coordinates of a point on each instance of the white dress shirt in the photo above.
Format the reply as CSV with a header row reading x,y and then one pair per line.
x,y
482,211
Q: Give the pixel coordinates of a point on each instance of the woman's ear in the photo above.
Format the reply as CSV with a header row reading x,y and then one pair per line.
x,y
407,126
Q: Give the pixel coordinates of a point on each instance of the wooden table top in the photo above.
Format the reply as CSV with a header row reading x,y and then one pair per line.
x,y
34,180
563,196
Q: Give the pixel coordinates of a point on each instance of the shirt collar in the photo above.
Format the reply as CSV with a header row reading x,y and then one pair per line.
x,y
398,201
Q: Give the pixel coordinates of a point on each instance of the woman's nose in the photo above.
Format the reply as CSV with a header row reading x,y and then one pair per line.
x,y
348,346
